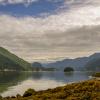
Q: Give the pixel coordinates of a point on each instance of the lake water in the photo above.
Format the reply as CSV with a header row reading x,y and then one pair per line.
x,y
12,83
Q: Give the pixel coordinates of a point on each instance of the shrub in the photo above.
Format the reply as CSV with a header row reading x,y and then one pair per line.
x,y
29,92
97,74
0,97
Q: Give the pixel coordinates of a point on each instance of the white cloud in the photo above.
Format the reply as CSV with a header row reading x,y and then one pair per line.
x,y
74,30
26,2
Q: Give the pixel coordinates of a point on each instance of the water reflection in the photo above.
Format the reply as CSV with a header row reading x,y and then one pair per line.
x,y
8,79
36,75
12,83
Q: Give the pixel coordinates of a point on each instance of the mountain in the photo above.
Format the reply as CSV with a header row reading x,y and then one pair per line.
x,y
78,64
93,65
10,61
36,66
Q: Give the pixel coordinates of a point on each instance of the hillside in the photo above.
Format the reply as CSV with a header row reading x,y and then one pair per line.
x,y
93,65
10,61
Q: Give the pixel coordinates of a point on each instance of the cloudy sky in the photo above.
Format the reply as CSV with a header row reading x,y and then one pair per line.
x,y
50,29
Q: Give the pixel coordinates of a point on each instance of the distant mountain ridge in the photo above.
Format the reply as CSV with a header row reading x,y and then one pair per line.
x,y
37,66
10,61
78,64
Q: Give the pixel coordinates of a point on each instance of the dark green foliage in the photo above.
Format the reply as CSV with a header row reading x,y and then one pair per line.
x,y
18,95
13,97
96,74
10,61
0,97
29,92
68,69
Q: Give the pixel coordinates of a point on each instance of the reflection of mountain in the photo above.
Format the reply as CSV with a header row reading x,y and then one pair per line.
x,y
9,61
78,63
8,79
65,77
36,75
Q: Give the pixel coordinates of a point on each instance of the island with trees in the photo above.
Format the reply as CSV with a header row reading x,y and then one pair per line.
x,y
68,69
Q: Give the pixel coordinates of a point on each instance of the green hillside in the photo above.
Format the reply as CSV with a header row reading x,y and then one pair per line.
x,y
12,62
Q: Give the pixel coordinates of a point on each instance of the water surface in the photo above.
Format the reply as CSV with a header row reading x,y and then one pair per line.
x,y
12,83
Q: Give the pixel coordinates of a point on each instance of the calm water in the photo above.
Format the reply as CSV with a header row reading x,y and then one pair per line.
x,y
12,83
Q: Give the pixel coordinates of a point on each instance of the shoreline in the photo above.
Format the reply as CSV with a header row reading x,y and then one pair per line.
x,y
87,86
67,83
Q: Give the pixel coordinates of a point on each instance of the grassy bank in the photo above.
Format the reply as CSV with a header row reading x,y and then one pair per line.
x,y
87,90
96,74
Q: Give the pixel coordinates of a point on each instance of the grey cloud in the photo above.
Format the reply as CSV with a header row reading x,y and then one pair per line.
x,y
82,38
75,40
77,30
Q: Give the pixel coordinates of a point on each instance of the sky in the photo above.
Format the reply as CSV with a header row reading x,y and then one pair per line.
x,y
43,30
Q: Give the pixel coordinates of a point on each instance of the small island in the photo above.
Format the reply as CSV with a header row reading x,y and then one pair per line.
x,y
68,69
